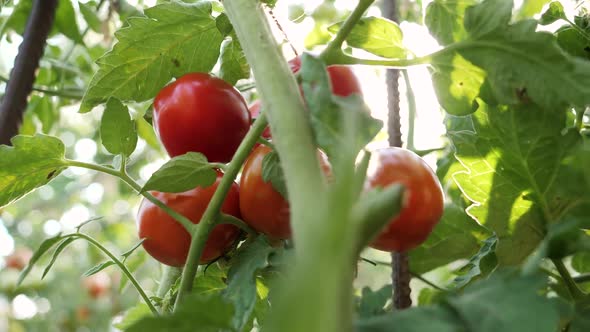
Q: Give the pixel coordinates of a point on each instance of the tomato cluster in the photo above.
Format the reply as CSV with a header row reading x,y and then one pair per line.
x,y
201,113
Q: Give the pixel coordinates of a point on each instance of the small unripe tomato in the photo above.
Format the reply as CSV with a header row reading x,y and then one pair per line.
x,y
19,259
201,113
423,200
262,207
166,239
97,285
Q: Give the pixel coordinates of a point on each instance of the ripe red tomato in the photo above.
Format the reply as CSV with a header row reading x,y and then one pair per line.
x,y
168,242
423,201
262,207
254,109
344,83
19,259
342,78
201,113
97,284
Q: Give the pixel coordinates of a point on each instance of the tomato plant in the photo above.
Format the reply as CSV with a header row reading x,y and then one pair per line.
x,y
201,113
500,222
168,242
423,200
261,205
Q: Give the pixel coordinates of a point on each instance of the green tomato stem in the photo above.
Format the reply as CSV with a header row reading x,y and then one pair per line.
x,y
75,94
231,220
169,277
121,266
351,21
571,285
212,213
184,221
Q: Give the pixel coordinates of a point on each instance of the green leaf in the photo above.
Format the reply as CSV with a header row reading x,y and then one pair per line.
x,y
581,320
223,24
32,162
563,239
211,281
553,13
454,237
418,319
197,312
335,119
241,288
531,7
97,268
117,129
146,131
480,265
174,39
522,64
444,19
182,173
573,42
65,21
133,315
520,174
504,302
375,35
457,83
62,245
581,262
372,303
45,111
273,172
233,65
43,248
90,15
479,22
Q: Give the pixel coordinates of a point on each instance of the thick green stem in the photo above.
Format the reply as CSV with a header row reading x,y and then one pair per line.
x,y
574,290
231,220
326,304
351,21
212,214
122,267
184,221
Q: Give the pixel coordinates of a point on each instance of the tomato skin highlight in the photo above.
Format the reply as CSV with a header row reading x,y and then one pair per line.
x,y
201,113
423,201
168,242
262,207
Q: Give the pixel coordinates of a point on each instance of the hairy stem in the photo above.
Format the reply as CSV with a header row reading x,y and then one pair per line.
x,y
326,304
122,267
212,213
